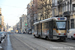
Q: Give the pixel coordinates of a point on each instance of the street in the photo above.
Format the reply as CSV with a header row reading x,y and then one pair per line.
x,y
29,42
37,24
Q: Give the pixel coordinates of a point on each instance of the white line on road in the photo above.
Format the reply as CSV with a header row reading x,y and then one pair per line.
x,y
1,44
0,47
2,41
8,43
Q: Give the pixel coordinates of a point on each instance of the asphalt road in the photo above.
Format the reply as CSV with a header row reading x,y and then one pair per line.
x,y
29,42
6,43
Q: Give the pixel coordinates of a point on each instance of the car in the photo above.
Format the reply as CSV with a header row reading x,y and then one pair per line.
x,y
71,34
3,35
9,32
0,37
29,31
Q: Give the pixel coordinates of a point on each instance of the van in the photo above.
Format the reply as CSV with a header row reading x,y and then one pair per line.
x,y
71,34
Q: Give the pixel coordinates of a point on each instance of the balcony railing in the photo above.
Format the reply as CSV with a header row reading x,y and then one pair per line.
x,y
60,2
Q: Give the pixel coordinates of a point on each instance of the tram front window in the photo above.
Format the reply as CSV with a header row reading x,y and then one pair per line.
x,y
61,25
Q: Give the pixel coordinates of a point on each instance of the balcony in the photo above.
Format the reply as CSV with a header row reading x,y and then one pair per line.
x,y
73,1
60,2
67,13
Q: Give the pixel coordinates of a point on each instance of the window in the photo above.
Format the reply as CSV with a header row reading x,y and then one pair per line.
x,y
35,28
61,25
74,7
54,24
72,23
45,27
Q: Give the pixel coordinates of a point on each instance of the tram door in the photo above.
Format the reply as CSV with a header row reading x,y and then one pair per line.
x,y
51,29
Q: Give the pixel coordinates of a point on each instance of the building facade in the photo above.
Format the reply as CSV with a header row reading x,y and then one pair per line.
x,y
20,24
30,16
23,23
43,9
64,8
1,21
18,27
38,10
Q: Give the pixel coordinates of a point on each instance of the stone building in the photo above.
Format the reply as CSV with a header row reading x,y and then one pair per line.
x,y
64,8
42,9
30,16
1,21
23,23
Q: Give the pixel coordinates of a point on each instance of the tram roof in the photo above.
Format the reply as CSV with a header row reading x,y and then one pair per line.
x,y
36,23
49,19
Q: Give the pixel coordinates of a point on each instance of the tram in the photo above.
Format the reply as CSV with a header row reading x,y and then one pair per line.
x,y
51,28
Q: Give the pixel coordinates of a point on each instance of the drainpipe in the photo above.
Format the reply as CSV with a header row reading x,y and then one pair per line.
x,y
70,13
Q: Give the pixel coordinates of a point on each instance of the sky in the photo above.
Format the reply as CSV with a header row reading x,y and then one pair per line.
x,y
12,10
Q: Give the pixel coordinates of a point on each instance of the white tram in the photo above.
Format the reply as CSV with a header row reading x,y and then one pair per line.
x,y
52,28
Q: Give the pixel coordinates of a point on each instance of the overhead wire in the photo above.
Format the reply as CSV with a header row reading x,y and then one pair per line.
x,y
19,15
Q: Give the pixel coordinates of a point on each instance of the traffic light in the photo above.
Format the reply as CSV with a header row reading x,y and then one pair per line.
x,y
25,24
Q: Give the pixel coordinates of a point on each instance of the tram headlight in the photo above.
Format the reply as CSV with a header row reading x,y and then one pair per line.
x,y
59,33
64,33
74,35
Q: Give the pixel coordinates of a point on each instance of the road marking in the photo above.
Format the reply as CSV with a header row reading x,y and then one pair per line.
x,y
2,41
0,47
25,44
8,43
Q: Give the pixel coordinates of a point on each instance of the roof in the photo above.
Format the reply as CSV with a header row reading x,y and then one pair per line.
x,y
49,19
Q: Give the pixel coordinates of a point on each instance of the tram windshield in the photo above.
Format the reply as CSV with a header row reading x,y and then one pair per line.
x,y
61,25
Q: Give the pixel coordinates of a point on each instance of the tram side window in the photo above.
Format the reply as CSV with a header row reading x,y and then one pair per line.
x,y
35,28
45,28
45,25
39,28
54,24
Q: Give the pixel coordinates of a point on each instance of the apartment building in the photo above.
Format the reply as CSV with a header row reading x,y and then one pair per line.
x,y
23,23
1,21
64,8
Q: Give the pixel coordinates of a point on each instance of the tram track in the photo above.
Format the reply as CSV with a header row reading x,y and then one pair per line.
x,y
33,48
24,43
60,42
68,44
34,44
37,45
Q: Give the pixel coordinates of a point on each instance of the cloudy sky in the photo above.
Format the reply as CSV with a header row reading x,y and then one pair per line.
x,y
13,9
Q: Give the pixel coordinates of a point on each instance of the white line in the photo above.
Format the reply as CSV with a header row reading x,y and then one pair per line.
x,y
0,47
8,43
2,41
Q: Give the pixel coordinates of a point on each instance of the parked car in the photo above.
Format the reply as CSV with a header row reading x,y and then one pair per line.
x,y
9,32
29,31
0,37
71,34
3,35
